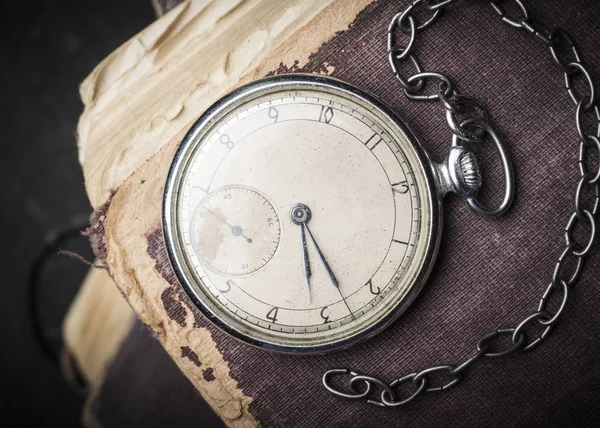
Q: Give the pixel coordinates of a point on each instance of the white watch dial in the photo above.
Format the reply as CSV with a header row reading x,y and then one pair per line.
x,y
303,217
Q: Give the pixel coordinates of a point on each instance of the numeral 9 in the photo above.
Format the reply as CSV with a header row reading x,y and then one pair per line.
x,y
273,114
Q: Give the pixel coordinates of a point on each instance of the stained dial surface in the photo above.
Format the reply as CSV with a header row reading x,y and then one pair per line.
x,y
303,217
235,230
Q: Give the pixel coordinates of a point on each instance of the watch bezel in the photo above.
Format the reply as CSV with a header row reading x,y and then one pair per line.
x,y
206,122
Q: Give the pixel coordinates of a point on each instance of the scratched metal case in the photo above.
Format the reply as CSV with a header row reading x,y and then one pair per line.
x,y
433,189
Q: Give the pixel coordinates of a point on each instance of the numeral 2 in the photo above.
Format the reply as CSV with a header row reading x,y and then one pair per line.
x,y
373,291
326,114
400,187
272,314
325,317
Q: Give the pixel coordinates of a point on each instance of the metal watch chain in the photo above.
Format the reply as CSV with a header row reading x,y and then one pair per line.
x,y
468,121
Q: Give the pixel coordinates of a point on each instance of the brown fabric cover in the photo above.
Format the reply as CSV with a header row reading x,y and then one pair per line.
x,y
490,273
144,388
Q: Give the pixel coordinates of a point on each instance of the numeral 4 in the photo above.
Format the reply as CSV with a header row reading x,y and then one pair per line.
x,y
272,315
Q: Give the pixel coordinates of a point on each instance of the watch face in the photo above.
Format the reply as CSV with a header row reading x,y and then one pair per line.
x,y
300,215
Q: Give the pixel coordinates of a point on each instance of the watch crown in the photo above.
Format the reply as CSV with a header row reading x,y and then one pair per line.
x,y
469,168
460,173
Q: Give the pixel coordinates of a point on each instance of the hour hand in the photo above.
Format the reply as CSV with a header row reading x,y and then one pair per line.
x,y
334,280
305,258
299,215
306,261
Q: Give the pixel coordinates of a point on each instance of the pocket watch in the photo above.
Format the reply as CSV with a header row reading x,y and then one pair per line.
x,y
301,215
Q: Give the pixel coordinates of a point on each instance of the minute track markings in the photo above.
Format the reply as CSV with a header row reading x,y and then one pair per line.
x,y
382,133
258,320
371,303
384,291
398,156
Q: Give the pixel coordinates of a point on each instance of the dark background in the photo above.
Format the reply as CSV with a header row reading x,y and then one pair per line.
x,y
48,48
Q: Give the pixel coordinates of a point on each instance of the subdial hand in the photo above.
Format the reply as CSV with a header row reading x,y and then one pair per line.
x,y
300,215
238,231
235,230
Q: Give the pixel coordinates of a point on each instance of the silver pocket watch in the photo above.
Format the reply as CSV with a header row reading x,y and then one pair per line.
x,y
301,215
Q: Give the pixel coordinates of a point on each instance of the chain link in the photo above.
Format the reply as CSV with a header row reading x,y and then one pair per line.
x,y
461,113
515,22
560,39
584,144
580,111
466,117
388,400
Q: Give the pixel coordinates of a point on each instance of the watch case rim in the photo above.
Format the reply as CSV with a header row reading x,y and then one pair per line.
x,y
205,123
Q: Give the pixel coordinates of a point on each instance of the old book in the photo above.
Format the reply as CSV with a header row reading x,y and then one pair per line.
x,y
138,103
141,100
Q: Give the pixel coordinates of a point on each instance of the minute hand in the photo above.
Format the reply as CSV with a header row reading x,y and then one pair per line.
x,y
329,271
327,268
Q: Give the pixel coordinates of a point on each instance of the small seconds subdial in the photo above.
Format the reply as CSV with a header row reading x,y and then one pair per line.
x,y
235,230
